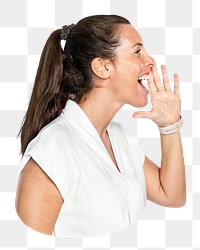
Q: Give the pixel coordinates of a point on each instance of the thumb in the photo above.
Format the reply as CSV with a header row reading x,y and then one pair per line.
x,y
142,114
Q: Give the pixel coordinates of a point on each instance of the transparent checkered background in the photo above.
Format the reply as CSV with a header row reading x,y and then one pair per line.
x,y
171,33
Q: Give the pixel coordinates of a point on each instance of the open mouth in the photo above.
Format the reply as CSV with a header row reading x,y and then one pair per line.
x,y
142,80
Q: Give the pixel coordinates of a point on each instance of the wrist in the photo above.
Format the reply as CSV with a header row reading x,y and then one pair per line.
x,y
173,128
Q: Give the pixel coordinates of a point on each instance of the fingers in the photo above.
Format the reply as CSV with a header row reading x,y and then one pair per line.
x,y
165,78
157,79
155,83
152,87
176,84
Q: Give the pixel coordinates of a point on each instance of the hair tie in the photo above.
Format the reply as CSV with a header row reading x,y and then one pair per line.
x,y
65,31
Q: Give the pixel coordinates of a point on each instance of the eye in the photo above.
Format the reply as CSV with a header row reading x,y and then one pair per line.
x,y
138,52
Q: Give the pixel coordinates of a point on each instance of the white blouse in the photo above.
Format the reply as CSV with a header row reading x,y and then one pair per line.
x,y
98,199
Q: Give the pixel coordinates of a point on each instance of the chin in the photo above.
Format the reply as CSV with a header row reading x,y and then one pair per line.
x,y
139,104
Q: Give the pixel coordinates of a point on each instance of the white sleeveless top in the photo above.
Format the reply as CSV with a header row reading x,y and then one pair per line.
x,y
98,199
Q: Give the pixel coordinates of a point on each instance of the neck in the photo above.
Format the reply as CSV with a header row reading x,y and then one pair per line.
x,y
100,107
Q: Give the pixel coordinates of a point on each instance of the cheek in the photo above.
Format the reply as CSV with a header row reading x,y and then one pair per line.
x,y
137,67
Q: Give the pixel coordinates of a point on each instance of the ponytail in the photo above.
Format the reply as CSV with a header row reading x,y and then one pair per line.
x,y
47,99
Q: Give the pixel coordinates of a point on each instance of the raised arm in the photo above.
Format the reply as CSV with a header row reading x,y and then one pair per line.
x,y
166,185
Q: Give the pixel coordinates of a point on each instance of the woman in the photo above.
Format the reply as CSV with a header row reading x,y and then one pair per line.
x,y
83,175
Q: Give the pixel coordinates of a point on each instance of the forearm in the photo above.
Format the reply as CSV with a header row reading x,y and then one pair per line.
x,y
172,171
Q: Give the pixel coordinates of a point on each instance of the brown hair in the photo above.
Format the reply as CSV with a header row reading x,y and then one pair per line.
x,y
62,75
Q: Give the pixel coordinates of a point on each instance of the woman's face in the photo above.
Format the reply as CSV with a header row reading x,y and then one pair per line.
x,y
130,65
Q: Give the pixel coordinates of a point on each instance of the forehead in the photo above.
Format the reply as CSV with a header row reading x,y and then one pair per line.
x,y
129,35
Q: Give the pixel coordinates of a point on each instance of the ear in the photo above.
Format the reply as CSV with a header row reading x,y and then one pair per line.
x,y
101,67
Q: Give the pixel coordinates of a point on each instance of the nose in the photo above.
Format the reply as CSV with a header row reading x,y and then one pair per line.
x,y
149,61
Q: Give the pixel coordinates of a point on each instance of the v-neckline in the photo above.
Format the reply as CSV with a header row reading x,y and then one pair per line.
x,y
118,167
86,130
109,148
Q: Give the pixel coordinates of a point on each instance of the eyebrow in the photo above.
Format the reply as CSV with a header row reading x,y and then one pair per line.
x,y
137,44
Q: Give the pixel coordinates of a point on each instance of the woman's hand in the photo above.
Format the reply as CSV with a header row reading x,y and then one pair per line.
x,y
166,105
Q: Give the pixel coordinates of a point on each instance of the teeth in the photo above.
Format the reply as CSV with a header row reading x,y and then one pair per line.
x,y
144,77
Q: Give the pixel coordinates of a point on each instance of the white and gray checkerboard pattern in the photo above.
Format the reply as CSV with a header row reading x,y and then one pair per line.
x,y
171,33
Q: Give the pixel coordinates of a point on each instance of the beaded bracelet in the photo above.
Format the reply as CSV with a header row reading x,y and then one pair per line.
x,y
171,129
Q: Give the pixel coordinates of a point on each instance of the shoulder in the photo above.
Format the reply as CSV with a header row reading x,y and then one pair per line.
x,y
48,150
51,136
38,200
